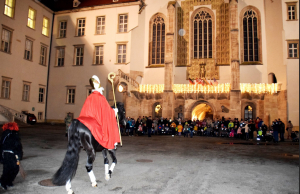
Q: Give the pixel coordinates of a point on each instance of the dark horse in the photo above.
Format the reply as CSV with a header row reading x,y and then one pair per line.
x,y
80,136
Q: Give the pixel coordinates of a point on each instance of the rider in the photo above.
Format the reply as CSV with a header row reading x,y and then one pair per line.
x,y
97,115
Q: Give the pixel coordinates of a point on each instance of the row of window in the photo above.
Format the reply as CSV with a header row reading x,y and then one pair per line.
x,y
6,90
100,26
6,42
9,10
98,55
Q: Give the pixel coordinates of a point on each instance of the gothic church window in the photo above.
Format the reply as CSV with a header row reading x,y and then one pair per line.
x,y
202,35
157,43
251,35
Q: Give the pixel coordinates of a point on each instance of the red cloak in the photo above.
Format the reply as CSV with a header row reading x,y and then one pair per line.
x,y
97,115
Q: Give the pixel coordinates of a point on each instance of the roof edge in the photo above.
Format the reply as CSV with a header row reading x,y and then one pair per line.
x,y
98,7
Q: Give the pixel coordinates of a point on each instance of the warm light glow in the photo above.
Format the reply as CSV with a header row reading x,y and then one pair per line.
x,y
261,88
120,88
9,8
200,111
45,30
31,18
157,108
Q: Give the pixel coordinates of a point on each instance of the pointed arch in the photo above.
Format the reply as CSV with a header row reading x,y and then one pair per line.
x,y
250,33
157,39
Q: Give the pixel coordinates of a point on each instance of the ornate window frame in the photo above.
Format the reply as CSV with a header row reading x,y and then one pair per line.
x,y
211,13
256,10
151,22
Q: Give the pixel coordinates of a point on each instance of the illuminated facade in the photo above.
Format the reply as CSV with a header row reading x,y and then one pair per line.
x,y
244,53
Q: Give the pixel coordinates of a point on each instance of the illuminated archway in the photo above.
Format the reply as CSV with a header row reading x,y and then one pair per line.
x,y
201,112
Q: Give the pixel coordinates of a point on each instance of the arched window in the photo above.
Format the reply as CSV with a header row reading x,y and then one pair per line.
x,y
157,40
251,35
202,35
248,113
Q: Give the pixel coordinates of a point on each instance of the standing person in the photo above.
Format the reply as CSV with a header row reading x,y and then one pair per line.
x,y
246,131
275,127
281,130
155,123
149,125
290,129
179,129
186,129
191,130
11,153
264,128
68,121
173,126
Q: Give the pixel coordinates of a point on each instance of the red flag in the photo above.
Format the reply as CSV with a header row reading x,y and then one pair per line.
x,y
211,83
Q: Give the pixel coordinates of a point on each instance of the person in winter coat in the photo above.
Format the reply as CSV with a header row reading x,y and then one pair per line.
x,y
264,129
290,129
275,127
11,154
179,129
173,126
281,129
246,131
186,130
68,121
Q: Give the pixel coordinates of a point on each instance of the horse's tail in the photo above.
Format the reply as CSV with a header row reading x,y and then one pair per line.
x,y
69,166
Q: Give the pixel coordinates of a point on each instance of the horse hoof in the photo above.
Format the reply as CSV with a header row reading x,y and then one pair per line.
x,y
94,184
107,177
71,192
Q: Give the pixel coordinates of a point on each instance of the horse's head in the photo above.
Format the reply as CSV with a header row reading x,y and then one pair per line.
x,y
121,113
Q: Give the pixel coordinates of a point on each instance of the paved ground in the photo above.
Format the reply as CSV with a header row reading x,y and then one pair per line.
x,y
164,164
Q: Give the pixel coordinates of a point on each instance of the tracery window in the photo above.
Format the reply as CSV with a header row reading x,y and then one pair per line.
x,y
158,41
251,33
202,35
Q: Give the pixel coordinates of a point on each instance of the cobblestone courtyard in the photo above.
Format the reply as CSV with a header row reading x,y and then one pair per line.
x,y
164,164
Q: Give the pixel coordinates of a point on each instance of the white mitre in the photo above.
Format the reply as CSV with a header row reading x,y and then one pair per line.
x,y
97,86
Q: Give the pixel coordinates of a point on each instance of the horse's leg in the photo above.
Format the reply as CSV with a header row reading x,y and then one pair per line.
x,y
86,141
112,154
89,166
106,164
68,187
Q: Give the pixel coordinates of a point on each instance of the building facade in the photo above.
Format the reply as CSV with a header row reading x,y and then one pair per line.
x,y
242,57
25,43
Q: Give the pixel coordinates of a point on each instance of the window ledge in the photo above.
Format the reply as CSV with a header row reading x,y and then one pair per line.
x,y
121,63
77,65
45,35
60,37
25,100
41,102
30,28
6,52
80,36
9,16
292,20
251,63
122,32
42,65
58,66
97,64
100,34
28,60
293,58
4,98
155,66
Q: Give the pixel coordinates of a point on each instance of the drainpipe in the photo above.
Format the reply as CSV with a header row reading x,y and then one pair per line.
x,y
46,101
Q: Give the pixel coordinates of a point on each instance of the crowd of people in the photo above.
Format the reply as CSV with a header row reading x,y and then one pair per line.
x,y
234,128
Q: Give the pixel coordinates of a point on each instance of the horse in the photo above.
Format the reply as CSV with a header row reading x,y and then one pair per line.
x,y
79,136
